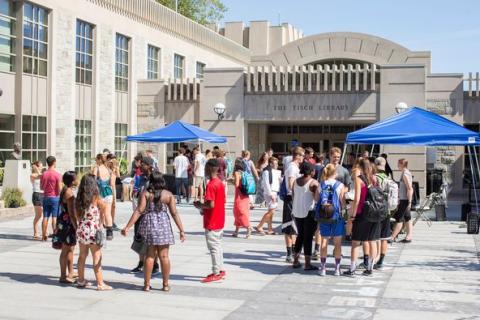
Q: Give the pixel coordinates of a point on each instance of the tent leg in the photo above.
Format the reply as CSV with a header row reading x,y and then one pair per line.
x,y
371,151
343,153
357,149
473,178
476,162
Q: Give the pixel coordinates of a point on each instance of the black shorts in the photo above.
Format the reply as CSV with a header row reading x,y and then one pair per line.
x,y
287,218
385,229
403,212
37,199
364,230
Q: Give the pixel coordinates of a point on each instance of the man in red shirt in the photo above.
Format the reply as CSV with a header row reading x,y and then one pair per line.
x,y
50,183
213,211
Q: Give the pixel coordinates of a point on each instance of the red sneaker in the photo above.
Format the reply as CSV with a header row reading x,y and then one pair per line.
x,y
223,274
212,277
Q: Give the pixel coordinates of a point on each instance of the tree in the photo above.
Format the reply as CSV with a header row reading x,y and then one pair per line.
x,y
201,11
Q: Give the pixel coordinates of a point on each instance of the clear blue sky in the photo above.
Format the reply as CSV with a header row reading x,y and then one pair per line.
x,y
449,29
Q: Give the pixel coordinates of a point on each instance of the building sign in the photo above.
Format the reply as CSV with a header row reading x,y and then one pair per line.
x,y
348,106
441,106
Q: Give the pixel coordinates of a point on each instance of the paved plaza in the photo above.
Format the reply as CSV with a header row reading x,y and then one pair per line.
x,y
435,277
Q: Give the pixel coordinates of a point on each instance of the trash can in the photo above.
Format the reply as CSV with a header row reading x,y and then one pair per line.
x,y
440,212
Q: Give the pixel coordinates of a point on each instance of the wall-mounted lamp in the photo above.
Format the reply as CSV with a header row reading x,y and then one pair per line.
x,y
219,109
401,106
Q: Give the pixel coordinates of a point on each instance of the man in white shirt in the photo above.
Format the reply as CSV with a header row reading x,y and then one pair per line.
x,y
149,153
181,165
291,173
198,173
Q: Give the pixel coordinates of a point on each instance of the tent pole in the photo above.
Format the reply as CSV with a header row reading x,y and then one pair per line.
x,y
371,151
473,177
357,149
343,153
476,162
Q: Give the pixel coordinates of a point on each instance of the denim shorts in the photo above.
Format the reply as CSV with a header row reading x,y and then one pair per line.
x,y
51,207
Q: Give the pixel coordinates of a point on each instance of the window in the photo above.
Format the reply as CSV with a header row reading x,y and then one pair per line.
x,y
84,53
121,130
7,36
34,138
35,39
83,145
199,70
121,63
7,136
178,66
153,62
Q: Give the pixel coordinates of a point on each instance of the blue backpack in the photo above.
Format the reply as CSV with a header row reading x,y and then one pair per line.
x,y
247,184
328,208
283,192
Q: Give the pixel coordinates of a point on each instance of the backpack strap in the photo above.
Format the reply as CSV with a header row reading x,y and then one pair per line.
x,y
364,179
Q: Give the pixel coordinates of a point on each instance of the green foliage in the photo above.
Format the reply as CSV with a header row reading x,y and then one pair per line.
x,y
201,11
13,198
123,164
2,172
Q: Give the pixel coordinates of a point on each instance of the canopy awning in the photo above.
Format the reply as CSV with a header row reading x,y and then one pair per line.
x,y
178,131
415,126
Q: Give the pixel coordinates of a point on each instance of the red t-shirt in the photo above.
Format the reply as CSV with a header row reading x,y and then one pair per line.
x,y
49,183
214,219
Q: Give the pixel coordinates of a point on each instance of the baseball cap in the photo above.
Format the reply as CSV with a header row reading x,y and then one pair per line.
x,y
380,162
148,161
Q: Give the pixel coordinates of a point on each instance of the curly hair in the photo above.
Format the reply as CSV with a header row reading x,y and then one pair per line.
x,y
87,193
68,180
156,185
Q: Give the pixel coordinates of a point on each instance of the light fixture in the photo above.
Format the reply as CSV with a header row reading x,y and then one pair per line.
x,y
219,109
401,106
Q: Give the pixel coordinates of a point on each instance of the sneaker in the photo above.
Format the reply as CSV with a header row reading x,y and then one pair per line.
x,y
322,272
349,273
155,269
315,255
137,269
289,259
362,266
337,272
367,272
212,277
223,274
378,266
109,234
115,227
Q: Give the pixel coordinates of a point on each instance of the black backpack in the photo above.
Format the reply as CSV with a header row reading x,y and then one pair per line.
x,y
375,208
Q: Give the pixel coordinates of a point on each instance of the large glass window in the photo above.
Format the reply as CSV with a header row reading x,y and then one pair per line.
x,y
7,136
35,39
121,63
34,138
83,145
121,130
199,70
153,62
84,53
7,36
178,66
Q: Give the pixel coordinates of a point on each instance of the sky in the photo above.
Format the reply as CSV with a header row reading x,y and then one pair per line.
x,y
449,29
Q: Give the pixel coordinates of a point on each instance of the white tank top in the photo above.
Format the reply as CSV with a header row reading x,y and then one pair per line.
x,y
303,200
36,186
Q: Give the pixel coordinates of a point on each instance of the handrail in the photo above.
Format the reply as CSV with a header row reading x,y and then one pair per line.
x,y
151,13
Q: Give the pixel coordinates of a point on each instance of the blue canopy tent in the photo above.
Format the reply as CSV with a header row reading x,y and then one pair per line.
x,y
177,131
417,126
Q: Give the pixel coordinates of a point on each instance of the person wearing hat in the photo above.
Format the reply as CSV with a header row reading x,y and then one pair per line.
x,y
385,230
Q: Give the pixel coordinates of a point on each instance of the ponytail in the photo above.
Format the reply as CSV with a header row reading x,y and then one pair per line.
x,y
328,171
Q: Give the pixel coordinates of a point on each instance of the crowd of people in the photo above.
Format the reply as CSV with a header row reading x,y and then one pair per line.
x,y
323,201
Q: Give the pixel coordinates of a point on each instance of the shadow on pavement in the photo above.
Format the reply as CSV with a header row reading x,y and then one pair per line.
x,y
158,275
16,237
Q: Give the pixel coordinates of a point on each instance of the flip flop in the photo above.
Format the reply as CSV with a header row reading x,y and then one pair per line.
x,y
259,231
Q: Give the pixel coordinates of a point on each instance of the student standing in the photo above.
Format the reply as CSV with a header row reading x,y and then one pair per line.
x,y
262,163
241,204
304,189
106,185
50,183
156,203
331,193
288,225
385,230
66,228
213,211
199,173
90,210
271,179
405,196
181,164
37,196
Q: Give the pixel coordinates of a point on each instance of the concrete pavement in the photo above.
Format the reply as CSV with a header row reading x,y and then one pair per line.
x,y
435,277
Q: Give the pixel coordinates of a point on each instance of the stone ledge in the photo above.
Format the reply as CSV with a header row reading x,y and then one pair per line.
x,y
15,212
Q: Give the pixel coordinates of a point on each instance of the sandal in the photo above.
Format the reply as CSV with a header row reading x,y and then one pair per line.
x,y
249,233
74,276
83,284
66,280
104,287
37,237
271,233
310,268
147,288
166,288
259,231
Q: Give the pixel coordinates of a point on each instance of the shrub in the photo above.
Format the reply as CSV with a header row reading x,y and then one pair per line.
x,y
13,198
123,164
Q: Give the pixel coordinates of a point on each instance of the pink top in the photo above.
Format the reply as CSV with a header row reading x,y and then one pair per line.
x,y
49,183
363,196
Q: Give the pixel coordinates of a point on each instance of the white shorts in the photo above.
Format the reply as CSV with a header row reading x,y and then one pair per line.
x,y
270,203
108,199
